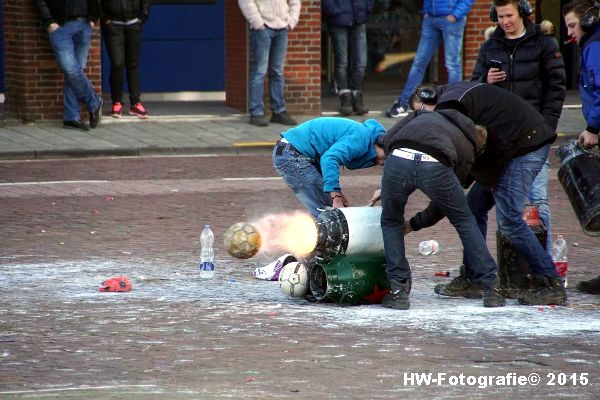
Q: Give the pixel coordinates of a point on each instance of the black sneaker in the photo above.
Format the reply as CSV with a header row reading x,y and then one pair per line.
x,y
397,298
258,120
592,286
82,126
283,118
460,286
492,297
550,291
96,115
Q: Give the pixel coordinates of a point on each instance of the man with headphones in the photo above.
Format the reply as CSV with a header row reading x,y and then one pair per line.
x,y
524,58
582,18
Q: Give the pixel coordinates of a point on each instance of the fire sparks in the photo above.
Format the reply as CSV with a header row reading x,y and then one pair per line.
x,y
291,232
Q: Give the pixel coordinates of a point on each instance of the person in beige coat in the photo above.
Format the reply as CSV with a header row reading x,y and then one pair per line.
x,y
270,21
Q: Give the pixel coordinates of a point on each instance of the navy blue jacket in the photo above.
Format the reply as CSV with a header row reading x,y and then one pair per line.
x,y
346,13
437,8
589,79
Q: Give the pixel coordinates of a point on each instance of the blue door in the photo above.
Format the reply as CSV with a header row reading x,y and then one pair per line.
x,y
183,49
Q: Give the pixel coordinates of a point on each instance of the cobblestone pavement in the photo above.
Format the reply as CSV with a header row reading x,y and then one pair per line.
x,y
69,224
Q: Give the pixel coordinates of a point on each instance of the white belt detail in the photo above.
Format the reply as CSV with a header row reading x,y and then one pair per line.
x,y
409,155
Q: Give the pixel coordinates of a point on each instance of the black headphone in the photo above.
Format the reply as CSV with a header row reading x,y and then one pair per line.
x,y
589,19
525,10
427,95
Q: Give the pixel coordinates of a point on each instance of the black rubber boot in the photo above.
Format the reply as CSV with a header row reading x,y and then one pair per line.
x,y
346,103
357,104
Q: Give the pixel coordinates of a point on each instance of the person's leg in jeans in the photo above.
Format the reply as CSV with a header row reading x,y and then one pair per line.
x,y
358,54
510,195
114,37
429,43
260,43
453,33
133,41
441,185
397,184
276,62
538,195
301,175
339,39
71,45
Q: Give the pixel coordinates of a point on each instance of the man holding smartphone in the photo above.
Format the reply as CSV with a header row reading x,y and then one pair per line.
x,y
525,59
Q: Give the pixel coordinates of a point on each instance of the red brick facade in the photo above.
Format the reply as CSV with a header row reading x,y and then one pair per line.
x,y
33,83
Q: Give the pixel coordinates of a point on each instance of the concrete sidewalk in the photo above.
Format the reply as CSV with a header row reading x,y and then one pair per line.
x,y
189,128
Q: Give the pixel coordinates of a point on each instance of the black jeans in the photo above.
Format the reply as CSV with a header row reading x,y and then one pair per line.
x,y
123,45
400,178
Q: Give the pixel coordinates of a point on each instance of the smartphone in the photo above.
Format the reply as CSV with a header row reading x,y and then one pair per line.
x,y
495,64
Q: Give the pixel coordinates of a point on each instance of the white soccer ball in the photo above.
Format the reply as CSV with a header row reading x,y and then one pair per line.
x,y
293,279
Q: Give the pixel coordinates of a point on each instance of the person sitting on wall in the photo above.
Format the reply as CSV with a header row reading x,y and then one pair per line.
x,y
70,25
270,21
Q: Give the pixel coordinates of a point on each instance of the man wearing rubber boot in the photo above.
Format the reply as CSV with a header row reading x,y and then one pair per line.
x,y
517,146
582,18
432,152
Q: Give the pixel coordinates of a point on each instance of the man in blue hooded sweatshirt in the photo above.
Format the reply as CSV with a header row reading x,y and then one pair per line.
x,y
308,157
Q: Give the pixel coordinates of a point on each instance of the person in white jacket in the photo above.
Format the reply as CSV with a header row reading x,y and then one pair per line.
x,y
270,21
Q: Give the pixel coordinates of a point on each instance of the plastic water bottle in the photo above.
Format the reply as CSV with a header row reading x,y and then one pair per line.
x,y
559,256
429,247
207,255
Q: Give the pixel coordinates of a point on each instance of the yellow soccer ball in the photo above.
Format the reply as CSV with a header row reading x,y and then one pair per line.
x,y
242,240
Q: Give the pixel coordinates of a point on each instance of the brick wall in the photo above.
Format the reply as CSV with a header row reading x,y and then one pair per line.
x,y
33,82
303,62
236,57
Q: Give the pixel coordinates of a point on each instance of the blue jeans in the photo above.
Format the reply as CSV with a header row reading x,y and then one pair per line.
x,y
303,175
269,47
71,43
400,178
350,56
538,195
433,31
509,197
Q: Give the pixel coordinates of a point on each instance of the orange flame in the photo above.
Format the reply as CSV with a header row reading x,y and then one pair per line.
x,y
295,233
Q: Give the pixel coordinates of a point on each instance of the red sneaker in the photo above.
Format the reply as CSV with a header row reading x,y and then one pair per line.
x,y
116,110
139,110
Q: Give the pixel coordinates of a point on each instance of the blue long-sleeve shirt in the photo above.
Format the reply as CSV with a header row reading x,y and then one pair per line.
x,y
336,142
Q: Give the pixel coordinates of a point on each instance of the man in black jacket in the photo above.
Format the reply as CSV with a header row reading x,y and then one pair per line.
x,y
517,146
525,59
432,152
70,25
